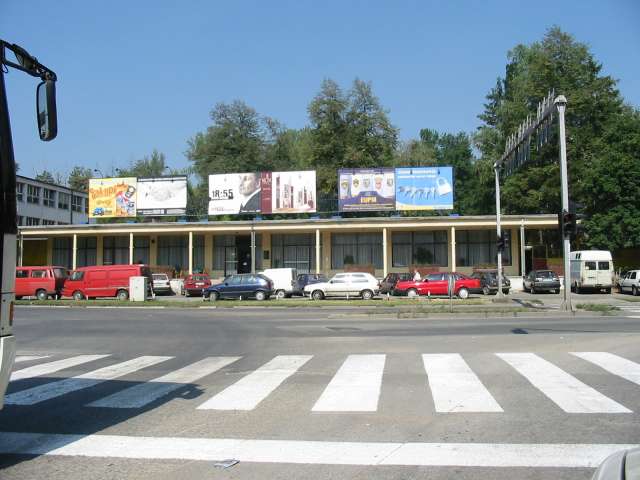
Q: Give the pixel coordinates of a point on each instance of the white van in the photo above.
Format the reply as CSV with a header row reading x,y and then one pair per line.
x,y
591,269
284,280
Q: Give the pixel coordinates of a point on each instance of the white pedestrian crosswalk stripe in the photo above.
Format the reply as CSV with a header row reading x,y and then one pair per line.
x,y
142,394
55,389
355,387
249,391
28,358
613,364
454,386
566,391
52,367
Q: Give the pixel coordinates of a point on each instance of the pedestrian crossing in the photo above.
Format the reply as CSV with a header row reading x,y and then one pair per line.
x,y
632,311
356,385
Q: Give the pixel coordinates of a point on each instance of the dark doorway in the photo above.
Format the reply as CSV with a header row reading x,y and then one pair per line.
x,y
528,260
243,249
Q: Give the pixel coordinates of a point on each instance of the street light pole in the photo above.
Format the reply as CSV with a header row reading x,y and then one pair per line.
x,y
496,169
561,103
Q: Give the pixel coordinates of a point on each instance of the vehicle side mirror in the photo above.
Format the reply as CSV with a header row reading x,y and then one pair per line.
x,y
46,108
330,281
226,284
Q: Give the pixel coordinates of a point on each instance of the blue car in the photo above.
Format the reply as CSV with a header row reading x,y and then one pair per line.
x,y
244,285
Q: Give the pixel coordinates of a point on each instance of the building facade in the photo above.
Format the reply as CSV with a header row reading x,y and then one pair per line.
x,y
42,203
380,245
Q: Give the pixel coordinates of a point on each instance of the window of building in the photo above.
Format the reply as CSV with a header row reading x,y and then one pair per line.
x,y
31,221
48,222
20,191
478,247
420,248
225,253
172,252
86,250
198,253
62,251
76,203
86,205
33,194
49,198
294,251
20,220
141,250
356,249
63,201
115,250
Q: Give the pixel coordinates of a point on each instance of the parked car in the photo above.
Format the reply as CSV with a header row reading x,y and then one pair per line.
x,y
541,281
305,279
438,284
389,282
284,280
161,283
355,284
591,269
489,282
629,282
104,281
40,282
195,284
241,285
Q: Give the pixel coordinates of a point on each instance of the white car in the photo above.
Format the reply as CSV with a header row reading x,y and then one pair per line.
x,y
352,284
630,282
161,283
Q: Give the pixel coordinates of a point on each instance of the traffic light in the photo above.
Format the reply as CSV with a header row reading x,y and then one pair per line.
x,y
568,224
501,242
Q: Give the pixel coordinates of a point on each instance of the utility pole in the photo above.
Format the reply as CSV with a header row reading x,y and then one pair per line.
x,y
561,102
499,293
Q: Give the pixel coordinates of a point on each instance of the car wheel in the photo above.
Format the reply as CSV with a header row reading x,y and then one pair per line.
x,y
366,294
485,290
280,294
463,293
532,290
412,292
42,295
77,295
260,295
214,296
506,292
317,295
122,295
634,291
607,290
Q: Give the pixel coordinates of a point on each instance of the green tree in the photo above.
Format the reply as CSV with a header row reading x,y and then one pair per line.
x,y
78,178
595,112
45,176
154,165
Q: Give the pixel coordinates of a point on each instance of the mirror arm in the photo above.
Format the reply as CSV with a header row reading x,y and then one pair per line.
x,y
36,70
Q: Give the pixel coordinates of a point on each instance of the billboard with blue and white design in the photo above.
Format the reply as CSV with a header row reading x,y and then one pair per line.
x,y
424,188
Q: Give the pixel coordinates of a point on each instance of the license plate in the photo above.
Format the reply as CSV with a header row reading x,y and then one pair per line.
x,y
199,284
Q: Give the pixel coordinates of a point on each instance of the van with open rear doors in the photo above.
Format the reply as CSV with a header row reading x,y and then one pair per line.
x,y
40,282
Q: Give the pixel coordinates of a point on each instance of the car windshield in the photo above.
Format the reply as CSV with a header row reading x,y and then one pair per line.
x,y
545,274
76,275
160,276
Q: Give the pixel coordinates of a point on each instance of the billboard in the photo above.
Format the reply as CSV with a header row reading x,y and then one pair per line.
x,y
162,196
289,192
366,189
112,197
264,192
424,188
231,193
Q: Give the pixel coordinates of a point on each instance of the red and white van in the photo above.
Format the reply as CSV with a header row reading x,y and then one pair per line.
x,y
40,282
104,281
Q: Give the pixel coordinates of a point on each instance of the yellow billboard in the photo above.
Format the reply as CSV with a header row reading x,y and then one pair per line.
x,y
112,197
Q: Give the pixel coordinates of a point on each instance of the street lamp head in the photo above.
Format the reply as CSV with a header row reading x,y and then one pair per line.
x,y
560,101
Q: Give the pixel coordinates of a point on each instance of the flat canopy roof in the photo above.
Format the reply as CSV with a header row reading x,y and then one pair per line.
x,y
296,225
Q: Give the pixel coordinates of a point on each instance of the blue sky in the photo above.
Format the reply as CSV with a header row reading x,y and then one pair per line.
x,y
134,76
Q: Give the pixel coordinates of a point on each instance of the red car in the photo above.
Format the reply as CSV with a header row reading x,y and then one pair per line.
x,y
40,282
438,284
195,284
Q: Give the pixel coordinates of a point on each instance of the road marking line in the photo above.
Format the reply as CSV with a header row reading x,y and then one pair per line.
x,y
51,367
51,390
142,394
566,391
27,358
355,387
312,452
454,386
614,364
249,391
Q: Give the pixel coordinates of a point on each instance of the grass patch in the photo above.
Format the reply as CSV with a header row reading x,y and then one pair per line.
x,y
597,307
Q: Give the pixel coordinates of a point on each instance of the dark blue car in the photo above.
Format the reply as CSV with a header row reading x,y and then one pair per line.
x,y
241,285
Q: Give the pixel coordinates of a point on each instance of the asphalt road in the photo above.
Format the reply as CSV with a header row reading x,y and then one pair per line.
x,y
303,393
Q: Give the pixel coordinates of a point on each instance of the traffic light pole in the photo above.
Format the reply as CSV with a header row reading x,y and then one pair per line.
x,y
499,294
561,103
